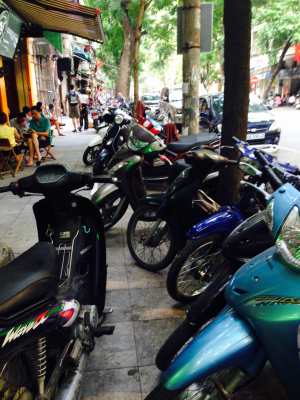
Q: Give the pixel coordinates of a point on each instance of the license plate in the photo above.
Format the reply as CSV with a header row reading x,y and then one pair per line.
x,y
256,136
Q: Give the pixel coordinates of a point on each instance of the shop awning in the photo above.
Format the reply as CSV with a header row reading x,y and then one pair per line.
x,y
61,16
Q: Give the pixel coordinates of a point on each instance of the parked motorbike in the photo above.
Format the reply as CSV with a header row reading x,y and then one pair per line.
x,y
156,230
94,146
260,315
202,265
52,297
102,148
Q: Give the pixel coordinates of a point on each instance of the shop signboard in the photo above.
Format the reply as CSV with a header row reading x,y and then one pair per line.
x,y
10,28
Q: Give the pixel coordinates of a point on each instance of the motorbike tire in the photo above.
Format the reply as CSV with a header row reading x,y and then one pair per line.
x,y
111,220
139,215
89,156
216,281
208,391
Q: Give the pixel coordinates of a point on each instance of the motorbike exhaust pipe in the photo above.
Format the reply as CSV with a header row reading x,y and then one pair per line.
x,y
70,388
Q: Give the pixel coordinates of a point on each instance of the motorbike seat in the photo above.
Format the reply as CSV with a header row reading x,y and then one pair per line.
x,y
207,158
188,142
30,278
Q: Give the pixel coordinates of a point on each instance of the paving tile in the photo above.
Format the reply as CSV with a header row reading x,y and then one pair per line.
x,y
153,303
149,337
118,299
115,351
116,278
149,376
115,384
140,278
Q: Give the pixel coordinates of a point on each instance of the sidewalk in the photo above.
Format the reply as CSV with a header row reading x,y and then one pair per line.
x,y
122,365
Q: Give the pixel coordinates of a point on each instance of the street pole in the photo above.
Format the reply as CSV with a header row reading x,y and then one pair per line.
x,y
191,66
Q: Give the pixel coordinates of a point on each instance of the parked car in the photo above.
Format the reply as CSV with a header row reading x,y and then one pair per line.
x,y
262,126
151,101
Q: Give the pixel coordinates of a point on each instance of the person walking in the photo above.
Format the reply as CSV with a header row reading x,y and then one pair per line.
x,y
73,100
84,112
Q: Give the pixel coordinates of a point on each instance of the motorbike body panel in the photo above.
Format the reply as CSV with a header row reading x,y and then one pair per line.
x,y
227,341
33,323
75,227
265,291
100,192
222,222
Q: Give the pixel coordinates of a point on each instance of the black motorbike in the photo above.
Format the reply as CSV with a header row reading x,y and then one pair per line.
x,y
156,230
52,296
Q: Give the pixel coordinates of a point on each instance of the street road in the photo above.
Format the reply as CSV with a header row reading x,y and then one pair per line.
x,y
289,120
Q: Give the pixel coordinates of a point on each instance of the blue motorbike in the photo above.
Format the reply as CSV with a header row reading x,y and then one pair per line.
x,y
260,322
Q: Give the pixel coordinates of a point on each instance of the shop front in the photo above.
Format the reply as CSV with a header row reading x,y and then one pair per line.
x,y
31,44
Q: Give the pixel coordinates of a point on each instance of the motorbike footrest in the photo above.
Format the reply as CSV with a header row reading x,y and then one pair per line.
x,y
104,330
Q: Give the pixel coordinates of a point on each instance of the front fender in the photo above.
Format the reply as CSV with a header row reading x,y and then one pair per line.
x,y
222,222
99,193
227,341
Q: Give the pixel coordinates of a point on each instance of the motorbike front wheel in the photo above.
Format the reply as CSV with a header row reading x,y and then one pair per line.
x,y
151,242
211,388
112,208
200,268
90,155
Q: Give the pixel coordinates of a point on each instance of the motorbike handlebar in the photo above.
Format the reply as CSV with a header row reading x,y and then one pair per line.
x,y
72,181
267,168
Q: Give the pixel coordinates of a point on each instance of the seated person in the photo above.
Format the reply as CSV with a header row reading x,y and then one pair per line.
x,y
21,124
54,120
10,133
27,111
41,132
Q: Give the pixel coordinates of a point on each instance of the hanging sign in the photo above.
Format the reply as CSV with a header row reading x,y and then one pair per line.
x,y
10,28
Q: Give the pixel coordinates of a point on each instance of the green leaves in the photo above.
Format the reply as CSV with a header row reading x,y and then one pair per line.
x,y
277,21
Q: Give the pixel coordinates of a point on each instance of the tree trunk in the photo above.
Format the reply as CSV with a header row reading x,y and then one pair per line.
x,y
144,5
191,66
237,28
276,71
123,81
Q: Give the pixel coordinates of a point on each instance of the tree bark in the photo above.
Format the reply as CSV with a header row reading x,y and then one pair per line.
x,y
276,71
237,28
123,81
144,5
191,66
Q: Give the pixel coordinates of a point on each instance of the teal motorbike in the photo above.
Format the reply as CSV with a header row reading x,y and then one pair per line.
x,y
259,325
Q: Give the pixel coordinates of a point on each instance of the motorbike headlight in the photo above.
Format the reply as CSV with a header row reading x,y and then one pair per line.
x,y
119,119
219,126
269,215
274,126
288,242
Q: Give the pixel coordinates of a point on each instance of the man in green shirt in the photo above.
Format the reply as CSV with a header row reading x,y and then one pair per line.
x,y
41,133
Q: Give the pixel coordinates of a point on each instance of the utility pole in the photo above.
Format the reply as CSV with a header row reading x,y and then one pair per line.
x,y
191,66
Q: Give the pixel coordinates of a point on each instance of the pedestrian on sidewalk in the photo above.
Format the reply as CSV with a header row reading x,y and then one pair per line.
x,y
84,112
73,100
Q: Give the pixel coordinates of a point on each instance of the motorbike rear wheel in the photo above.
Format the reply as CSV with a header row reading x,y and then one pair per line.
x,y
199,269
152,242
90,155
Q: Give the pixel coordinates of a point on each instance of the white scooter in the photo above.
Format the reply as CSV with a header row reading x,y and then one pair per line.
x,y
94,146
